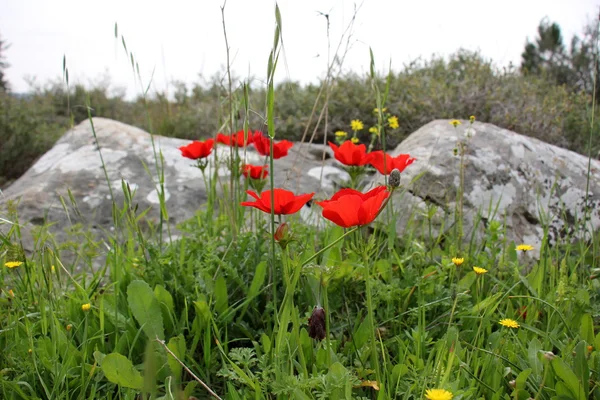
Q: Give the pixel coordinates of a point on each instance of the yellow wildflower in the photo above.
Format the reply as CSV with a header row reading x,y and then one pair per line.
x,y
86,307
480,271
393,121
355,140
341,134
52,268
524,247
472,118
509,323
11,293
457,261
13,264
374,130
376,110
438,394
356,125
455,123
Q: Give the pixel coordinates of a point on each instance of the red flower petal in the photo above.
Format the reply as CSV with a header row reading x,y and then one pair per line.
x,y
350,154
400,162
370,207
343,212
349,207
285,201
196,149
262,145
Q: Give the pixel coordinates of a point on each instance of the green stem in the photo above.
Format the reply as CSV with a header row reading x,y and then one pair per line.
x,y
374,357
327,323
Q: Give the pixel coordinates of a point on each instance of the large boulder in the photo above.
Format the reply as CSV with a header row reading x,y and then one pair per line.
x,y
74,164
517,180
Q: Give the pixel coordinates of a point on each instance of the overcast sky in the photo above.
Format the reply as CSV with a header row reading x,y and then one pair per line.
x,y
179,39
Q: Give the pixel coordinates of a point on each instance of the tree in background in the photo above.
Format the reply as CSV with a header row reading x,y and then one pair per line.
x,y
548,56
3,66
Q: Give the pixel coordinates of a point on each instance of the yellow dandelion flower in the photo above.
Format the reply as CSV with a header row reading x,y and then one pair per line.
x,y
509,323
13,264
341,134
393,121
472,118
376,110
86,307
374,130
480,271
356,125
355,140
455,123
438,394
524,247
458,261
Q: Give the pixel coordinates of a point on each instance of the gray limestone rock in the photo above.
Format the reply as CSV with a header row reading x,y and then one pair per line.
x,y
74,164
520,181
514,179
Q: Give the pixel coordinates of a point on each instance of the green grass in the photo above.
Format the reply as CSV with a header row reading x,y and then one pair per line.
x,y
224,311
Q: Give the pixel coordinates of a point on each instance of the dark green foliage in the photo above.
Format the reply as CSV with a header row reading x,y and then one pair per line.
x,y
536,105
3,66
575,67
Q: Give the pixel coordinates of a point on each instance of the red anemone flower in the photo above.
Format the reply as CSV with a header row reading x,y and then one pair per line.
x,y
262,145
235,139
391,163
350,154
196,149
285,201
255,171
349,207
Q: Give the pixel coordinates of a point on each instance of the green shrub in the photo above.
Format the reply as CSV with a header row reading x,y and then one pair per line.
x,y
465,84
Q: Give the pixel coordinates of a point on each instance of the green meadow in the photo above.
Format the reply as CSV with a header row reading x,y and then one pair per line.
x,y
251,302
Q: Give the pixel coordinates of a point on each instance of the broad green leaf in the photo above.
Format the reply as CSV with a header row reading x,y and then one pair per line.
x,y
145,309
398,372
569,378
522,378
467,281
580,364
177,346
119,370
533,356
164,297
586,328
221,299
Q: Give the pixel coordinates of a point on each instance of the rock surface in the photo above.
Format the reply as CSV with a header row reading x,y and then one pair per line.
x,y
74,164
511,178
507,177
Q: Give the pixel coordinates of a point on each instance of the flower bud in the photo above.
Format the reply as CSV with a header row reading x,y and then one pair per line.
x,y
282,235
512,383
548,355
394,179
316,324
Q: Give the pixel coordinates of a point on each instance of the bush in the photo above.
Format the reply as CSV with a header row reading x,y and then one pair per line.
x,y
465,84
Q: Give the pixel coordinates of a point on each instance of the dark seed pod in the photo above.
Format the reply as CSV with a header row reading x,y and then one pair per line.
x,y
316,324
394,179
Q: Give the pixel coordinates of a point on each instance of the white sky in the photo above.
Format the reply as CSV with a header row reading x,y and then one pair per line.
x,y
180,39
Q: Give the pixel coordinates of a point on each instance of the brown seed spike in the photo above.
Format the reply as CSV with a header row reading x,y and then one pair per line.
x,y
316,324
